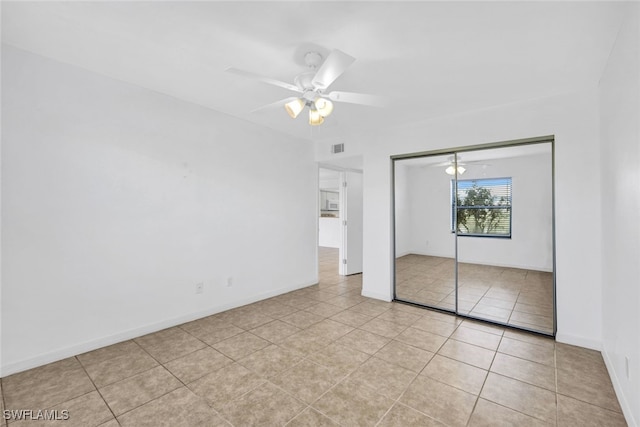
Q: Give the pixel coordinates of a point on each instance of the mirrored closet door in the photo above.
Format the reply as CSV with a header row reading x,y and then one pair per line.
x,y
474,232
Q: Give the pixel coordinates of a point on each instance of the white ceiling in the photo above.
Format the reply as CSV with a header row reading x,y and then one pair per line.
x,y
429,58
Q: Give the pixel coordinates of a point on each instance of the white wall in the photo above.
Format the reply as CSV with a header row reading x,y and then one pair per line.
x,y
620,249
118,200
573,119
429,201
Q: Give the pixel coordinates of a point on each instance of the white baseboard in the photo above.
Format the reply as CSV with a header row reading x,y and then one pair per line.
x,y
56,355
624,403
494,264
579,341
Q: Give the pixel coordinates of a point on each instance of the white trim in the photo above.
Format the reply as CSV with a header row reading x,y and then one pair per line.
x,y
91,345
624,404
449,255
579,341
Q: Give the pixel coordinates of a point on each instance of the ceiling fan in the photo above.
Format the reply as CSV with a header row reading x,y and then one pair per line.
x,y
312,87
451,165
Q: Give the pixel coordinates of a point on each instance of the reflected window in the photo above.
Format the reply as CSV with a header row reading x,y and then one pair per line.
x,y
481,207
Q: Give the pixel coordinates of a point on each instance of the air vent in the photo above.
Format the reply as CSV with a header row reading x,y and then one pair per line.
x,y
337,148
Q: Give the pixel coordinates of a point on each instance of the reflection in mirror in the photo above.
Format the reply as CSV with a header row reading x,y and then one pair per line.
x,y
425,243
505,236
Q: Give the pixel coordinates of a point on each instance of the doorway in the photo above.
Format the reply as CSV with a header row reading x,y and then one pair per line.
x,y
340,219
474,232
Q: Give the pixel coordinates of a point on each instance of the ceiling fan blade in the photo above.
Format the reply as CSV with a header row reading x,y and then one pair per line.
x,y
276,104
357,98
332,68
263,79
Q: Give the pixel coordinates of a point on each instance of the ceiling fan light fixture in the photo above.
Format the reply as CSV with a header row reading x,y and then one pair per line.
x,y
315,119
451,170
294,107
324,106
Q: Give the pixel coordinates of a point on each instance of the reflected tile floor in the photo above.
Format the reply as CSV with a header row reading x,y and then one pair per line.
x,y
324,356
512,296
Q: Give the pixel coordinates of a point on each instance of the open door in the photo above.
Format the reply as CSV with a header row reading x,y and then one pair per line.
x,y
351,220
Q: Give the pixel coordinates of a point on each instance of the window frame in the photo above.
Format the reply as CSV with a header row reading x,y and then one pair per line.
x,y
455,208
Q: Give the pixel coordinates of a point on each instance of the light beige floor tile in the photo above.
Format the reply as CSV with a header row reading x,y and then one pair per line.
x,y
329,329
404,355
383,327
407,308
522,397
321,295
345,300
215,334
271,360
443,317
135,391
528,351
247,319
570,357
363,341
342,358
351,404
351,318
301,303
422,339
275,331
324,310
520,369
226,384
46,385
574,413
266,405
305,341
302,319
369,309
169,344
404,416
311,418
467,353
442,402
489,414
112,423
384,377
241,345
483,326
197,364
203,325
530,338
180,408
476,337
589,386
116,362
491,313
435,326
400,317
497,303
308,380
88,410
276,310
457,374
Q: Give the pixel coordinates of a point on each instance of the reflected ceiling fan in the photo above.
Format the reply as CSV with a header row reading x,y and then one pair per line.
x,y
312,86
451,165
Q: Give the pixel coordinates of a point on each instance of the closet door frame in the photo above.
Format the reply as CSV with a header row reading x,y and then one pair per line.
x,y
455,151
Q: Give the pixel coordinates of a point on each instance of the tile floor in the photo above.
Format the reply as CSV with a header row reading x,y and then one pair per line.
x,y
511,296
324,356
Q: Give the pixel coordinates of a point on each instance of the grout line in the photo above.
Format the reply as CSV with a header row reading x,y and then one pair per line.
x,y
96,389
